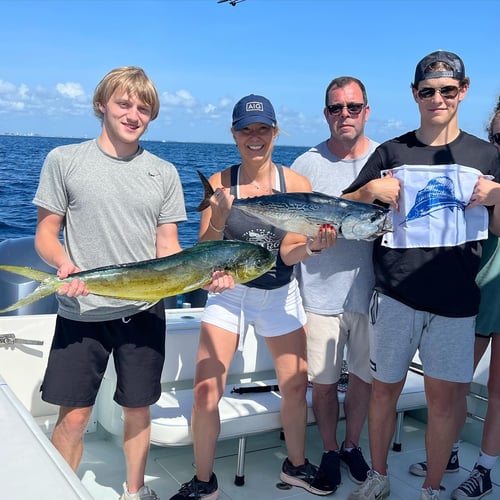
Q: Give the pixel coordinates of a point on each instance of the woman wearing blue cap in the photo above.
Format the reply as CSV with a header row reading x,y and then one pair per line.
x,y
271,303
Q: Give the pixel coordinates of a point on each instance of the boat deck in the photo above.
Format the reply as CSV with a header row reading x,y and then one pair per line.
x,y
102,467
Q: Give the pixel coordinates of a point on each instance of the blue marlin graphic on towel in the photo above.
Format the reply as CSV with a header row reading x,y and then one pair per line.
x,y
438,194
433,209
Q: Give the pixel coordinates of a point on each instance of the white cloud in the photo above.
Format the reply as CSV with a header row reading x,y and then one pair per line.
x,y
63,99
392,124
6,105
225,103
7,87
209,109
23,91
70,89
181,98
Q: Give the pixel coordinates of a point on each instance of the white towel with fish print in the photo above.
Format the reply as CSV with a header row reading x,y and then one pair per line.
x,y
432,207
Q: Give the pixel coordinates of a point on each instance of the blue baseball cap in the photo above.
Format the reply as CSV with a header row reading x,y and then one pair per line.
x,y
452,60
253,109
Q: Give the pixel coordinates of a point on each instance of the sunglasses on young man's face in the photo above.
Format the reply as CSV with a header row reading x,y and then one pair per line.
x,y
447,92
353,108
496,138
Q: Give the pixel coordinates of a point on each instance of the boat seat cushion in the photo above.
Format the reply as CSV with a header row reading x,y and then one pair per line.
x,y
250,413
240,414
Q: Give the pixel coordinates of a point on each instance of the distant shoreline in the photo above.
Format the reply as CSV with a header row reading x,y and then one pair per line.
x,y
166,141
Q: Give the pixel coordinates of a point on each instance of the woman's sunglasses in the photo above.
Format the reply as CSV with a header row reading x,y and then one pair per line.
x,y
496,138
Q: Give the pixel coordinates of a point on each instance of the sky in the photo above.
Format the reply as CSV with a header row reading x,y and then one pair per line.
x,y
203,56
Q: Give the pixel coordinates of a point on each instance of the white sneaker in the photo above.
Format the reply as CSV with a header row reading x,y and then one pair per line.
x,y
429,494
145,493
376,487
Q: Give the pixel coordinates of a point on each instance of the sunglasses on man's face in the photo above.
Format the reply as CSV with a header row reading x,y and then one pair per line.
x,y
496,138
447,92
353,108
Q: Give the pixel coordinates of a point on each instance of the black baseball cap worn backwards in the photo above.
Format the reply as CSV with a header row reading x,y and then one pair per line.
x,y
454,61
253,109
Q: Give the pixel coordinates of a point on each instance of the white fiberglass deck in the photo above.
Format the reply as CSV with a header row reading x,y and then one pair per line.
x,y
101,470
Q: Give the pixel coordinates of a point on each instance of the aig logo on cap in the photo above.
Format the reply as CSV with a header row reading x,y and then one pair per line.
x,y
253,109
254,106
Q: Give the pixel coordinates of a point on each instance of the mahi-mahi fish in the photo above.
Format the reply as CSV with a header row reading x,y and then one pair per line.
x,y
304,213
154,279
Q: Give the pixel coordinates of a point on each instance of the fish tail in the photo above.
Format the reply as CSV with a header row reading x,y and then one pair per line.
x,y
43,290
48,286
208,191
27,272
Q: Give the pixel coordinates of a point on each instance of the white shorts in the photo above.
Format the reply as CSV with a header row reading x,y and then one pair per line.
x,y
327,337
445,345
270,312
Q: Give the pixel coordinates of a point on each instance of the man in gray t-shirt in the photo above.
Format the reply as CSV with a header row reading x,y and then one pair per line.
x,y
117,204
336,286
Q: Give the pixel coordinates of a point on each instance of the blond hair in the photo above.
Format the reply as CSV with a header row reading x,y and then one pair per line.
x,y
132,80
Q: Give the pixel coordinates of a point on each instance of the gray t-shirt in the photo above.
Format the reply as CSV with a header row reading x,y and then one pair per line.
x,y
341,277
112,208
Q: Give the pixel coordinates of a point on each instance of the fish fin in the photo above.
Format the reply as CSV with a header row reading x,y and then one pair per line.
x,y
208,191
49,284
27,272
44,290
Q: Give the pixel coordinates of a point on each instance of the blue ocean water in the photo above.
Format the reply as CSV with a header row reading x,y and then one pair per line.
x,y
21,159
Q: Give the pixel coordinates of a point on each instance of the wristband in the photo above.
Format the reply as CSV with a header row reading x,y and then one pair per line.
x,y
217,230
310,251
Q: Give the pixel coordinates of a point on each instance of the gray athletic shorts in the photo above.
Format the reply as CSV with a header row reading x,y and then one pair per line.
x,y
327,337
271,312
445,345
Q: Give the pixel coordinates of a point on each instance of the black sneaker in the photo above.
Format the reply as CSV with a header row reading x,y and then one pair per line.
x,y
477,486
198,489
420,468
304,476
356,464
328,475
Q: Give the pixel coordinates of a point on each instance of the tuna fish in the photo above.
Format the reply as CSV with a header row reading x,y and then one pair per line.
x,y
151,280
305,213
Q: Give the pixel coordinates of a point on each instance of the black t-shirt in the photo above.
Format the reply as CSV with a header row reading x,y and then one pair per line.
x,y
437,280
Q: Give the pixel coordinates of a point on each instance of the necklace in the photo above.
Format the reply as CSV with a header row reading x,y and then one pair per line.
x,y
243,180
258,186
255,185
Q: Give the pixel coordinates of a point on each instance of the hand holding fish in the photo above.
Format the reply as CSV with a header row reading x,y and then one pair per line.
x,y
386,189
294,248
220,281
75,287
220,205
326,237
486,192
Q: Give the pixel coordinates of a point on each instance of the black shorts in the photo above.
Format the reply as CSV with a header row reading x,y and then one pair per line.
x,y
79,356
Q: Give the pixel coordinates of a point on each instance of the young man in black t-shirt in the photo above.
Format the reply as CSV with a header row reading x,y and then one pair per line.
x,y
438,179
